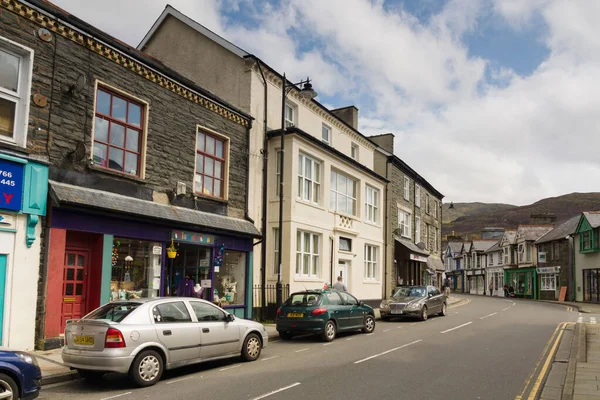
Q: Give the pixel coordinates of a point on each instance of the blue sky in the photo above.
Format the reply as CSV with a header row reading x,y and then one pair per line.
x,y
489,100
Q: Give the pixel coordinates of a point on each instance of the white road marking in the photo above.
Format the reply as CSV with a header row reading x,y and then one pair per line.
x,y
181,379
327,344
457,327
489,315
388,351
504,309
268,358
298,351
118,395
400,327
350,338
387,330
232,367
514,304
369,334
276,391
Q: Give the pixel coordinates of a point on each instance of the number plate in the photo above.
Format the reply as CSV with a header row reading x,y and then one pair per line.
x,y
295,315
397,312
85,340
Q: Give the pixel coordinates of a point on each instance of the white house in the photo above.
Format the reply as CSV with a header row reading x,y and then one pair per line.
x,y
495,270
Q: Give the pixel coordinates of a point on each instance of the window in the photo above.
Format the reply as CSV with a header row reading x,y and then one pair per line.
x,y
556,254
343,193
548,281
372,205
491,259
206,312
506,251
435,239
528,251
586,240
326,134
371,262
290,115
354,151
345,244
171,312
406,188
334,299
417,229
417,195
404,223
278,173
435,208
275,251
309,179
210,165
348,299
427,204
230,280
15,87
477,260
118,131
521,253
307,254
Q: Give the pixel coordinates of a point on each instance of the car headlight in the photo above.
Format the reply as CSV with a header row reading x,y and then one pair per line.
x,y
384,305
28,358
414,306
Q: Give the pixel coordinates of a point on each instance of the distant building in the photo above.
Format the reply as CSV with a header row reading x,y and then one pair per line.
x,y
587,257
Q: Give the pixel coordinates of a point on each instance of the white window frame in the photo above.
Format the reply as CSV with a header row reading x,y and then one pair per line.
x,y
276,251
372,208
354,151
22,96
404,223
417,229
521,251
548,282
333,193
435,208
313,254
313,182
289,106
417,196
435,238
371,262
427,236
326,128
406,188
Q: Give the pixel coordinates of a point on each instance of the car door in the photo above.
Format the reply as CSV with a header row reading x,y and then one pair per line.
x,y
218,337
176,330
337,309
356,315
434,300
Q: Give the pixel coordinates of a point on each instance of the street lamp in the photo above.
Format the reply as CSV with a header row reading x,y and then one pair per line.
x,y
308,93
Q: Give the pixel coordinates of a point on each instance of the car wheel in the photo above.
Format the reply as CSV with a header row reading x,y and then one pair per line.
x,y
92,376
286,335
444,310
252,347
147,368
369,324
8,388
328,332
424,313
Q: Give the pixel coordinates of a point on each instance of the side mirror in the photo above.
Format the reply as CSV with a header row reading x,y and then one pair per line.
x,y
362,303
229,318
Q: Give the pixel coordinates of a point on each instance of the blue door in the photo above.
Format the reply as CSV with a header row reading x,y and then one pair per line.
x,y
2,286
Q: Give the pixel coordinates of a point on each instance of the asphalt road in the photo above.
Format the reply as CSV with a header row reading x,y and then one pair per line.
x,y
482,350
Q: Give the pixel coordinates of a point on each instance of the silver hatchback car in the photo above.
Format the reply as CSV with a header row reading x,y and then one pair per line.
x,y
143,337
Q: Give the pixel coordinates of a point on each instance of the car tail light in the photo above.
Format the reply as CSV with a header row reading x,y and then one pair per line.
x,y
319,311
279,311
114,339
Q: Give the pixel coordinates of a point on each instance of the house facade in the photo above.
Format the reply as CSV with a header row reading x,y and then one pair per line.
x,y
139,159
476,273
587,257
494,270
453,265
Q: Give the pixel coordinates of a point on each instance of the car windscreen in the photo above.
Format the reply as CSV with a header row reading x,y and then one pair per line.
x,y
304,300
115,312
410,292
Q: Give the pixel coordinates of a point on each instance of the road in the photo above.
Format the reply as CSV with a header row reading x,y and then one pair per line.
x,y
485,349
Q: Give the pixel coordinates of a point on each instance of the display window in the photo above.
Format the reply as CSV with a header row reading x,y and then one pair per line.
x,y
189,274
230,279
136,269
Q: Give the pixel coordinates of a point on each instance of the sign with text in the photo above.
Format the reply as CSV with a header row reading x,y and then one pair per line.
x,y
548,270
416,257
11,185
192,237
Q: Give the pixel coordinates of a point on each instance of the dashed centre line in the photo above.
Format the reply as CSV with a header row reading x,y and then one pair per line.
x,y
276,391
457,327
489,315
232,367
268,358
298,351
504,309
115,396
388,351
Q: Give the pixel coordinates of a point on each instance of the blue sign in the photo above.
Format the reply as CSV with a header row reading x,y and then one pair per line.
x,y
11,185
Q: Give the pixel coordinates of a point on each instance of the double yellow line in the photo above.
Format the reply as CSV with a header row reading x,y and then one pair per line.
x,y
541,367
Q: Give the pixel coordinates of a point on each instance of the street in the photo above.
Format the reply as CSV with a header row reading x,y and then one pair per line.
x,y
482,350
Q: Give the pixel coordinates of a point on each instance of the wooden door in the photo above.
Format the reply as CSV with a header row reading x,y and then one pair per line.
x,y
74,293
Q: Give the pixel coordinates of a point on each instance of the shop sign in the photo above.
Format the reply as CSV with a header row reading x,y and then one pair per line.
x,y
157,250
542,257
415,257
11,185
192,237
548,270
469,272
205,283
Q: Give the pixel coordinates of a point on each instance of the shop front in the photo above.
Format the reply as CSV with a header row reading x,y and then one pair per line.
x,y
548,282
456,280
495,281
411,264
523,281
476,281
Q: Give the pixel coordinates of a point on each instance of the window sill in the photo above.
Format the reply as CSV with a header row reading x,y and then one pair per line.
x,y
116,173
309,203
374,224
10,145
371,282
206,197
307,279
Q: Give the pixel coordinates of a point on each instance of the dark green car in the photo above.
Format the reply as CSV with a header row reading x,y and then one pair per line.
x,y
323,312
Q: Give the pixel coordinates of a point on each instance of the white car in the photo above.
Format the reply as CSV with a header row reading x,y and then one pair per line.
x,y
143,337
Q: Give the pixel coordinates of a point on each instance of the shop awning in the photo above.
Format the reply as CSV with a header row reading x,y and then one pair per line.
x,y
431,271
64,194
435,263
416,254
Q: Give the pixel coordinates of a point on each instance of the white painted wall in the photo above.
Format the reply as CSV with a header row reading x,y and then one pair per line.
x,y
583,261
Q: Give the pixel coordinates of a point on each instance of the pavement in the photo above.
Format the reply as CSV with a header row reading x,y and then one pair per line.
x,y
54,371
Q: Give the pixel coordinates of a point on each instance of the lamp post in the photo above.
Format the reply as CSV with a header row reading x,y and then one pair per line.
x,y
307,92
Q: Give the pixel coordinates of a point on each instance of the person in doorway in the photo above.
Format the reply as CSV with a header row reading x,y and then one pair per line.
x,y
339,285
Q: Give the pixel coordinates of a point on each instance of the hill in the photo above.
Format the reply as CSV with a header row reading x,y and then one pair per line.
x,y
472,217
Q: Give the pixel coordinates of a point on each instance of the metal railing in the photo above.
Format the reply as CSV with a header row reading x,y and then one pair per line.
x,y
268,310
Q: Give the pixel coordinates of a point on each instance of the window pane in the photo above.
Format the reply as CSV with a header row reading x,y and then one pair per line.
x,y
131,163
218,169
300,165
101,129
133,140
70,274
333,181
218,184
100,154
306,259
69,289
115,159
341,204
103,102
341,183
200,163
209,166
307,190
80,274
208,186
78,289
351,188
317,174
9,71
332,200
200,141
198,183
219,149
117,134
70,259
306,243
299,241
315,248
210,145
135,115
80,261
307,168
119,108
7,117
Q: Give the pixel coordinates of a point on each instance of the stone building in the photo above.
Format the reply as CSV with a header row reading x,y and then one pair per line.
x,y
140,159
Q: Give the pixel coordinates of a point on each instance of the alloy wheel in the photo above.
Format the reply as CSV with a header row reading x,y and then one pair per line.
x,y
6,391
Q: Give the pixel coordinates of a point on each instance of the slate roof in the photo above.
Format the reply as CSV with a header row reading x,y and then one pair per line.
x,y
65,194
411,246
455,247
435,263
533,232
510,235
593,217
483,244
495,247
561,231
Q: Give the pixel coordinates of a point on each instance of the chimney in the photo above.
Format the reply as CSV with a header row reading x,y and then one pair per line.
x,y
543,218
347,114
385,141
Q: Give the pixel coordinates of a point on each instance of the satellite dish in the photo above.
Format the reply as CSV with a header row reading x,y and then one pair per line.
x,y
79,151
76,87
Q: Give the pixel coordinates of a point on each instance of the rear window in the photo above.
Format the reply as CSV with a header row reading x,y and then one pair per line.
x,y
304,299
115,312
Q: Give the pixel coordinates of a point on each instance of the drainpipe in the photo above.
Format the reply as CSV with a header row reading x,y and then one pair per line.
x,y
385,230
332,240
572,297
246,213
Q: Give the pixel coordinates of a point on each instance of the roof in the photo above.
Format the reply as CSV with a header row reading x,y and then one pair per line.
x,y
435,263
411,246
510,235
466,246
49,8
593,218
561,231
415,175
533,232
65,194
455,247
495,247
483,244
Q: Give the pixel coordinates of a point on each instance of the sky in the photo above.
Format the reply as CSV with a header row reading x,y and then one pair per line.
x,y
489,100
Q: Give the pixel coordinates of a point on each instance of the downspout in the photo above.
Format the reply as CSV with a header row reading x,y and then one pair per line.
x,y
572,267
386,230
246,213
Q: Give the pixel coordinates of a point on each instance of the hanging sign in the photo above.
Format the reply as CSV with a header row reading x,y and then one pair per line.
x,y
11,185
192,237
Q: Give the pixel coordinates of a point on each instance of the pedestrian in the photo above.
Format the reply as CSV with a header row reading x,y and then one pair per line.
x,y
491,288
339,285
448,287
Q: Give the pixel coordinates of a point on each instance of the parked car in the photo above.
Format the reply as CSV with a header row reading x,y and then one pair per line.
x,y
414,301
143,337
324,312
20,375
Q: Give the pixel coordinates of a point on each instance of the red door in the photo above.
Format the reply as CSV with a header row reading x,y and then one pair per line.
x,y
74,286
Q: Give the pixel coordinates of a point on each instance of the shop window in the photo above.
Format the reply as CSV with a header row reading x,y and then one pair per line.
x,y
118,132
188,270
211,165
548,281
136,269
207,312
230,280
171,312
